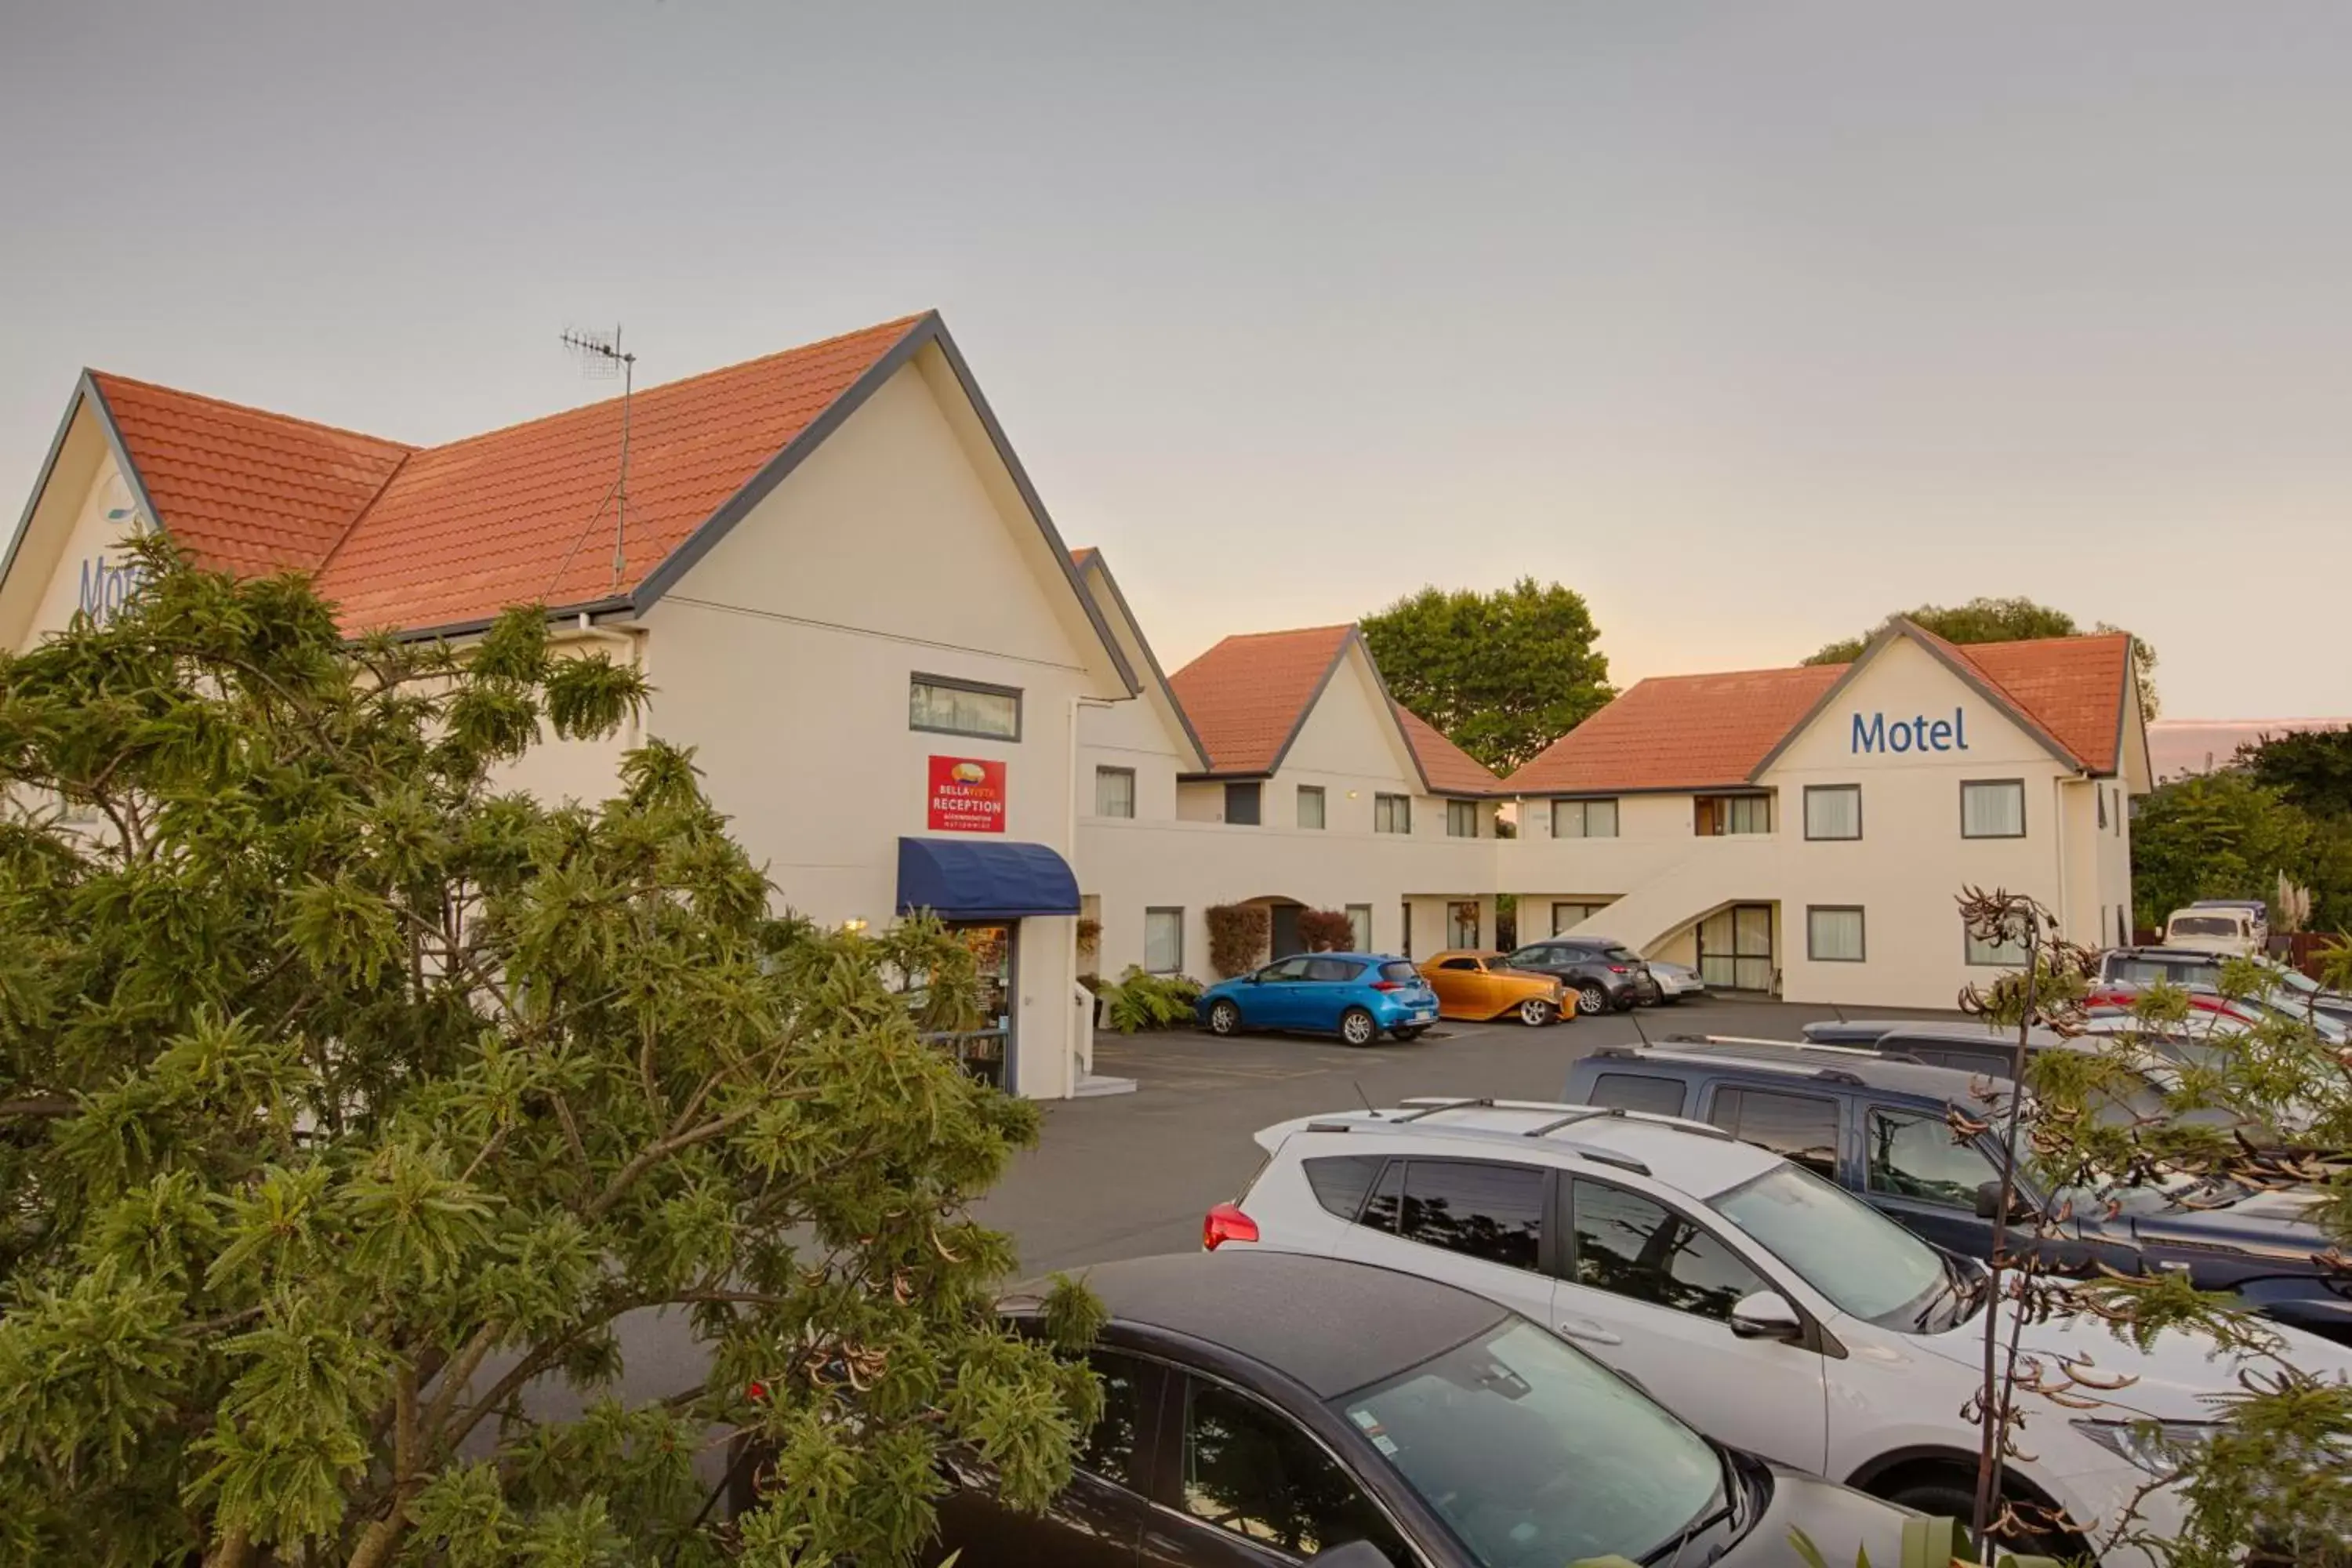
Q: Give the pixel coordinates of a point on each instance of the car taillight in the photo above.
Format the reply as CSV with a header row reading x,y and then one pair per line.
x,y
1619,969
1226,1223
1387,985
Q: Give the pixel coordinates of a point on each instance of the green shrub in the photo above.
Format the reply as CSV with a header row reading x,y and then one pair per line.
x,y
1140,1001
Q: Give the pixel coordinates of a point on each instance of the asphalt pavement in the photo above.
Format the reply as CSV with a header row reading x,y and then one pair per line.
x,y
1130,1175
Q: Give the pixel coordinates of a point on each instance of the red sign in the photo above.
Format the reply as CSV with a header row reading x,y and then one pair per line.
x,y
967,795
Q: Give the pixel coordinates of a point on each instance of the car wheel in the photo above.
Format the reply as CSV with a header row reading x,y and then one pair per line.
x,y
1411,1031
1955,1498
1224,1019
1357,1028
1535,1013
1591,998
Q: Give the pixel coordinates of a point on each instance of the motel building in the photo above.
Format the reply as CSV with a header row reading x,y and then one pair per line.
x,y
908,693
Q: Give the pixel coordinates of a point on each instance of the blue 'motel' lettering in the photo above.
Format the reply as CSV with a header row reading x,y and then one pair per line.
x,y
1919,733
106,589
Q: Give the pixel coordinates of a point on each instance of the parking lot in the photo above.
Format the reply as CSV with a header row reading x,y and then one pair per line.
x,y
1128,1175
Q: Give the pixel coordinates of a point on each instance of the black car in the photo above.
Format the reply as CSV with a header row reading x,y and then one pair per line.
x,y
1878,1126
2290,989
1263,1410
1604,972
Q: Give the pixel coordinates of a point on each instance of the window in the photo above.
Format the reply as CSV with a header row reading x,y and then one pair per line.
x,y
1359,921
1802,1128
1341,1181
1404,912
1833,811
1461,965
1310,805
1584,819
1716,815
2102,797
1630,1247
1462,923
1289,969
1163,941
1241,802
1735,948
1114,791
1993,808
1492,1212
1461,819
964,707
1392,814
1915,1157
1333,971
1109,1449
1567,916
1250,1469
2117,816
1834,933
1401,971
2009,952
1638,1092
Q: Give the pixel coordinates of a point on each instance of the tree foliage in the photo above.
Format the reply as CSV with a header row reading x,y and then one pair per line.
x,y
1501,675
1983,620
2311,769
352,1108
2266,1111
2229,836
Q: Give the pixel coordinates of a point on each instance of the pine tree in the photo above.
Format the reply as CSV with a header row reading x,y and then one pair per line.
x,y
348,1103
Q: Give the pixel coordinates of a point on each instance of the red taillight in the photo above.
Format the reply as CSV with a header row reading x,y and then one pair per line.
x,y
1388,984
1226,1223
1619,969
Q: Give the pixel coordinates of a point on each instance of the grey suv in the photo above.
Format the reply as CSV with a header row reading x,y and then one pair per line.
x,y
1604,972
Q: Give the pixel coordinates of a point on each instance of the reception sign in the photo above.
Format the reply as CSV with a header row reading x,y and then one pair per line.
x,y
967,795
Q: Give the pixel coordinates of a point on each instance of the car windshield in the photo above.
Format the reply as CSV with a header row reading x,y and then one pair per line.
x,y
1537,1457
1860,1259
2204,925
1399,970
1624,955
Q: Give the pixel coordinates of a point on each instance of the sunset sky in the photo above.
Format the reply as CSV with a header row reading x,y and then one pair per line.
x,y
1752,322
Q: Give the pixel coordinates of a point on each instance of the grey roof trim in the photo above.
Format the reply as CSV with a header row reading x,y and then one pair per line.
x,y
2128,688
1727,786
82,389
481,623
122,454
1097,562
1901,627
927,328
1299,724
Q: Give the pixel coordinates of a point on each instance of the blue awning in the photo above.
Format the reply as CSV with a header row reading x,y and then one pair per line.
x,y
961,879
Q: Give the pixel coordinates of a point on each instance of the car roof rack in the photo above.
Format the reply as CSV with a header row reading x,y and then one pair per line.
x,y
1570,1115
1794,1066
1810,1047
1592,1112
1430,1106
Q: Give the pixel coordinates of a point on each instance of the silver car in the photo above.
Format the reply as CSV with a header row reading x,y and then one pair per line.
x,y
1676,981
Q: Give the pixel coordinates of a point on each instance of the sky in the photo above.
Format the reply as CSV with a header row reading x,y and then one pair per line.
x,y
1752,322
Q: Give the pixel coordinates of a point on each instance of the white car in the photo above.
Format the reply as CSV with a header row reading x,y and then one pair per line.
x,y
1676,981
1757,1301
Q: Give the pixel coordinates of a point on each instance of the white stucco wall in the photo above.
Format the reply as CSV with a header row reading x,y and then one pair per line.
x,y
81,563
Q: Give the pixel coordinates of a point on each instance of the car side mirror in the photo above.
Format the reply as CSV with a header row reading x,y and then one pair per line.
x,y
1351,1554
1766,1315
1989,1201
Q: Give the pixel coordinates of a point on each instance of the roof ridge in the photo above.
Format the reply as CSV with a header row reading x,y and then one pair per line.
x,y
1728,674
205,397
366,507
906,324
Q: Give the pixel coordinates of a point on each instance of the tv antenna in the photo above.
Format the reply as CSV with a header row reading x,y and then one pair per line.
x,y
601,358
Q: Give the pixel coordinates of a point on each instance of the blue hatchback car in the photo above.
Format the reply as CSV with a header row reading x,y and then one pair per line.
x,y
1357,996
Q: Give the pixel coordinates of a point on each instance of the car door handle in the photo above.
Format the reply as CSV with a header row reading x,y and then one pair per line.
x,y
1590,1332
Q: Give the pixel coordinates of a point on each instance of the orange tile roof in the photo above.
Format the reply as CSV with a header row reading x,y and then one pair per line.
x,y
1704,732
1679,732
1246,695
241,490
2073,687
412,537
1449,769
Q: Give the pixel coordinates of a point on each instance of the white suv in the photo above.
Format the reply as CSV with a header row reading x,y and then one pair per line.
x,y
1755,1300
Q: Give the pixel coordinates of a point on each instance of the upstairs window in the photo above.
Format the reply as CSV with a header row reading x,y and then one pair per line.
x,y
1718,816
948,707
1584,819
1241,801
1310,805
1392,814
1993,808
1114,791
1461,819
1833,811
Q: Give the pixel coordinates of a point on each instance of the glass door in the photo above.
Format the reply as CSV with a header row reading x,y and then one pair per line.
x,y
1735,948
986,1052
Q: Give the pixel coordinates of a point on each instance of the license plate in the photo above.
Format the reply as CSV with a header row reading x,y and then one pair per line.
x,y
1420,1013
